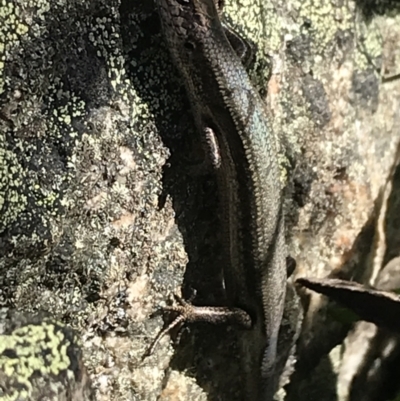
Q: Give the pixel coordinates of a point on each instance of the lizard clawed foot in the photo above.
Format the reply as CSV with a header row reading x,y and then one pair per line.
x,y
188,313
184,310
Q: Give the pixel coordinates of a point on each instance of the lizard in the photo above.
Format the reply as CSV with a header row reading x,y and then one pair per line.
x,y
231,116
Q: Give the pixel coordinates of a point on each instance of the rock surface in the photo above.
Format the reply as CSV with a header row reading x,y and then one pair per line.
x,y
100,221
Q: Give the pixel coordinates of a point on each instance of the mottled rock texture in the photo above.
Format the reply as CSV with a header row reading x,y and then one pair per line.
x,y
102,218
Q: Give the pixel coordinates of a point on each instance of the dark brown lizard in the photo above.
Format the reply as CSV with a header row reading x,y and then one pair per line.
x,y
230,114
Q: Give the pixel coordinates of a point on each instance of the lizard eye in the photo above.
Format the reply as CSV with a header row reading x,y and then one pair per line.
x,y
190,45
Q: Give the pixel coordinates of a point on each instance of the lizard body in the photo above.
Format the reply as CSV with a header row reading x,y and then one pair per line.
x,y
230,114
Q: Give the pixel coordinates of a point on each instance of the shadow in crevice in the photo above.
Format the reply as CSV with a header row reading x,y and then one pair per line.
x,y
376,383
373,381
370,8
323,333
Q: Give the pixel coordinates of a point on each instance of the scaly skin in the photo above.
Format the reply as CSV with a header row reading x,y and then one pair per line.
x,y
229,113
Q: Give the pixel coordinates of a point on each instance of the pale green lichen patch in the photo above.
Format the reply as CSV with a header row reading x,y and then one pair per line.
x,y
260,24
12,201
325,19
262,27
39,357
369,46
29,356
81,120
12,28
43,138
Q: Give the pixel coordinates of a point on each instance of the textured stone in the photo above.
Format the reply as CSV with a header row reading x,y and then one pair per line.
x,y
99,220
